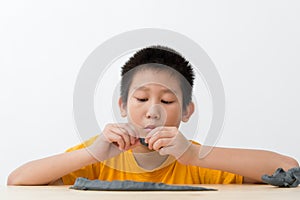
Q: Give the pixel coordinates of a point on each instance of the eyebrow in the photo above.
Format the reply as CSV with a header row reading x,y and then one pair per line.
x,y
143,88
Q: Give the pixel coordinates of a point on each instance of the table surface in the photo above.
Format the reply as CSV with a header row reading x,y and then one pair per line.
x,y
224,192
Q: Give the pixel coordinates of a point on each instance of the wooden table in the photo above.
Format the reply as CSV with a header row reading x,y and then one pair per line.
x,y
253,192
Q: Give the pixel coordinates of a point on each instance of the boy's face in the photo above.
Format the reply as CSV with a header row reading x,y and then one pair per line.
x,y
154,99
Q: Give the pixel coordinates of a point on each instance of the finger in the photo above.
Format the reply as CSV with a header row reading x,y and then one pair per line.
x,y
133,140
130,130
167,150
150,135
116,135
159,135
152,132
108,130
136,143
126,139
172,150
130,136
163,151
160,143
157,131
162,133
118,139
121,130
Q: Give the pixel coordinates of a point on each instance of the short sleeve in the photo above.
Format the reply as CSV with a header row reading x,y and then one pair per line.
x,y
90,171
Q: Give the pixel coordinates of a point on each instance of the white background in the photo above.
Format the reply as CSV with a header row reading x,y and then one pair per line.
x,y
255,46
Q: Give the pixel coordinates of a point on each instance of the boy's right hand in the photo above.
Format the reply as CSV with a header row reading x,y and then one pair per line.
x,y
122,135
114,139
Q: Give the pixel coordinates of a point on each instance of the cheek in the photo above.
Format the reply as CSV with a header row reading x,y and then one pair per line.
x,y
173,116
135,113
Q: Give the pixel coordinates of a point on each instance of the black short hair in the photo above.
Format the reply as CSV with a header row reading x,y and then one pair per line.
x,y
161,55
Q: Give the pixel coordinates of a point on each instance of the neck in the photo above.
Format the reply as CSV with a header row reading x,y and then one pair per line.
x,y
148,159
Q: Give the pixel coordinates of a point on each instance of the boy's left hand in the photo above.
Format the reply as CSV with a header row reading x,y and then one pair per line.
x,y
168,141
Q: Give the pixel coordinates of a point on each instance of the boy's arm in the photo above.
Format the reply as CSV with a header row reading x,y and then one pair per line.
x,y
114,139
47,170
251,164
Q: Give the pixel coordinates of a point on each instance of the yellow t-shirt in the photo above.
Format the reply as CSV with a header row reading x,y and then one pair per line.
x,y
172,173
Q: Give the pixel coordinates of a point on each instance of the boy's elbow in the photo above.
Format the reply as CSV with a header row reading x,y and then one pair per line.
x,y
12,180
16,179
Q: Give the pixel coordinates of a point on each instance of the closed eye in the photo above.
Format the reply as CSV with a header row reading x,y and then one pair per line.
x,y
166,102
142,100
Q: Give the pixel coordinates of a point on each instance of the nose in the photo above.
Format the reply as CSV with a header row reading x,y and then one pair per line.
x,y
158,113
153,112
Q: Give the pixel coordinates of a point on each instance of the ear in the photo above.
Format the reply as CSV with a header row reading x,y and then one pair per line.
x,y
187,113
122,107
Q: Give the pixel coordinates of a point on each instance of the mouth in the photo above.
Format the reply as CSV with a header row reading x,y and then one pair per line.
x,y
149,128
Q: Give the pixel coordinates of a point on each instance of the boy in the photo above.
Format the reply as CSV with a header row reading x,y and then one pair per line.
x,y
156,90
